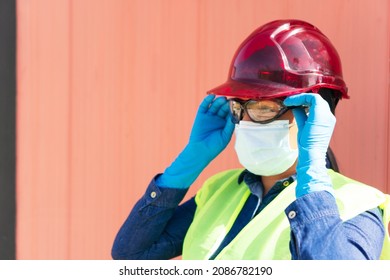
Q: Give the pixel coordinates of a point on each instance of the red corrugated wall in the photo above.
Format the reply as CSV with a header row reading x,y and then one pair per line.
x,y
108,89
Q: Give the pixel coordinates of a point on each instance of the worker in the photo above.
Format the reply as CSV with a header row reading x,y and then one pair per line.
x,y
288,201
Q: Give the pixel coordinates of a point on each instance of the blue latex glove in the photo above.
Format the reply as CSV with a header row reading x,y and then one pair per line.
x,y
211,132
314,133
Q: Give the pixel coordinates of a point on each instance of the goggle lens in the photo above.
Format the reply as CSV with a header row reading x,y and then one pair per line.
x,y
261,111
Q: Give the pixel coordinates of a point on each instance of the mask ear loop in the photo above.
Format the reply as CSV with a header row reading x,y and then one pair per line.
x,y
290,125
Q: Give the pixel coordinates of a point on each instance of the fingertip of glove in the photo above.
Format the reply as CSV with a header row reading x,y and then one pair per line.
x,y
301,99
290,101
209,97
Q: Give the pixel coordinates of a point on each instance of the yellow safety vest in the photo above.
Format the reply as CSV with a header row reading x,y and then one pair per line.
x,y
267,235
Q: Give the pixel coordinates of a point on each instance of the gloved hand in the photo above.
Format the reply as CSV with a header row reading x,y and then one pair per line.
x,y
211,132
314,133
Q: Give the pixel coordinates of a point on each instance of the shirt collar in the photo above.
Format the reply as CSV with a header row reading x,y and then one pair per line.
x,y
256,187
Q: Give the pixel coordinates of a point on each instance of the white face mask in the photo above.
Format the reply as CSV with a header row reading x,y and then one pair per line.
x,y
264,149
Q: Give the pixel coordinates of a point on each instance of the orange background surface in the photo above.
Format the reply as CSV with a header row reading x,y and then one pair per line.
x,y
108,89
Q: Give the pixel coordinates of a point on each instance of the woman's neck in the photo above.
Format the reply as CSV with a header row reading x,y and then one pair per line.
x,y
269,181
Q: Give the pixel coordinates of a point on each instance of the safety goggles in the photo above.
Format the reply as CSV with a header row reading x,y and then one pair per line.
x,y
259,111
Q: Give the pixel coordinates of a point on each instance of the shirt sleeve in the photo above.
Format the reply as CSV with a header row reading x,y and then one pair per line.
x,y
156,226
317,232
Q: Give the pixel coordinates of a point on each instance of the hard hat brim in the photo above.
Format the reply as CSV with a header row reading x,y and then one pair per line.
x,y
266,90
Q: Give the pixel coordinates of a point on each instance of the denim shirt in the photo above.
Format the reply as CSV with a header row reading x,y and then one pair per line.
x,y
157,225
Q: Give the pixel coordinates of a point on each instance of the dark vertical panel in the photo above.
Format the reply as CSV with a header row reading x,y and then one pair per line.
x,y
7,127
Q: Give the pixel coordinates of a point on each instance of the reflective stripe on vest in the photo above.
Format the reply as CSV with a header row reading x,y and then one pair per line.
x,y
267,236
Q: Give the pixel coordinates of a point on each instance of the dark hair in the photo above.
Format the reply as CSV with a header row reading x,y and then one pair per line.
x,y
332,97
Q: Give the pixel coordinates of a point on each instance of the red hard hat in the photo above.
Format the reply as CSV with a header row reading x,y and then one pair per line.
x,y
283,58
